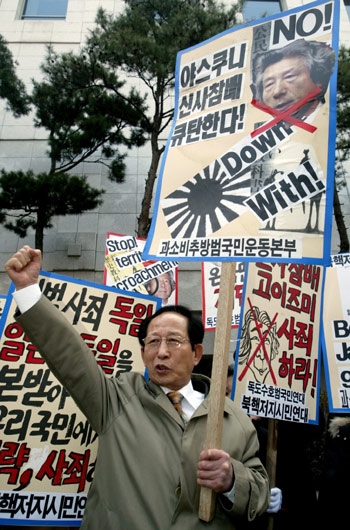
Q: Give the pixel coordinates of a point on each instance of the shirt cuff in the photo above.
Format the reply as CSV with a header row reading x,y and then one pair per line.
x,y
230,495
27,297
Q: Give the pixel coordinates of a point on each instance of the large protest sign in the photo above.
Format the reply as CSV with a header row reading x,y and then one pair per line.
x,y
247,173
336,333
48,449
211,275
277,359
126,270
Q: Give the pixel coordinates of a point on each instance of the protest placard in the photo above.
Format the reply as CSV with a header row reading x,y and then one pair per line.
x,y
248,175
336,335
277,366
211,276
47,448
126,270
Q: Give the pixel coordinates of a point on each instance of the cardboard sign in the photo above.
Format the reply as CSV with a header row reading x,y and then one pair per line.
x,y
336,336
248,170
277,359
211,275
48,449
126,270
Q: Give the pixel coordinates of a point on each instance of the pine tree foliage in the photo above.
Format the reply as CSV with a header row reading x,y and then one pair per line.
x,y
30,201
12,89
83,106
143,42
89,117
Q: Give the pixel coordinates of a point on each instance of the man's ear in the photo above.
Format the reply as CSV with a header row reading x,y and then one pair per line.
x,y
198,352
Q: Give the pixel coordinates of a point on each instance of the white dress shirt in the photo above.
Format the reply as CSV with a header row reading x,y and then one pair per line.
x,y
191,398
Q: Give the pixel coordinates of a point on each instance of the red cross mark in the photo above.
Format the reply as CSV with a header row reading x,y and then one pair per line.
x,y
286,115
260,345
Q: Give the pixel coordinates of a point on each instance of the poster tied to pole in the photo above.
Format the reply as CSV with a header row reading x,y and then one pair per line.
x,y
248,169
336,333
125,269
277,361
211,279
47,447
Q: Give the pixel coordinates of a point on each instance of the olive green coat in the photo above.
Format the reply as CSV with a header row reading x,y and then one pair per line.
x,y
145,475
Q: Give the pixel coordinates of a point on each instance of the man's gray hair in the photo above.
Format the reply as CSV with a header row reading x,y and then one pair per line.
x,y
319,58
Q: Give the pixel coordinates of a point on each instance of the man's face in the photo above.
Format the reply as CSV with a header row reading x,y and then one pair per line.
x,y
168,367
259,365
286,82
164,286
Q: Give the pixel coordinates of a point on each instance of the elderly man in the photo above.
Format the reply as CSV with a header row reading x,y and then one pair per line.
x,y
150,463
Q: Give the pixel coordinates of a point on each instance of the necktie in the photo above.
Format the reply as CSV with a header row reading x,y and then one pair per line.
x,y
175,398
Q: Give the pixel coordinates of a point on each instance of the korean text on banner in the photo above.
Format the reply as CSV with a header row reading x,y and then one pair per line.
x,y
248,169
47,448
277,359
336,335
125,269
211,275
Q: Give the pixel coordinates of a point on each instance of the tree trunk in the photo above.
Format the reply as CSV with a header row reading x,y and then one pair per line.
x,y
39,236
144,220
339,219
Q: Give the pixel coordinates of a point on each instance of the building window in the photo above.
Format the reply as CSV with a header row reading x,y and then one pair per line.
x,y
254,9
347,6
45,9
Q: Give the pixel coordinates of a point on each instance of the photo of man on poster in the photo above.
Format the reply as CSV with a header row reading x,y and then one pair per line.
x,y
163,286
294,77
284,76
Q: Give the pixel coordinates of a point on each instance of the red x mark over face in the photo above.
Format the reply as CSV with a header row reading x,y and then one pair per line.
x,y
286,115
261,344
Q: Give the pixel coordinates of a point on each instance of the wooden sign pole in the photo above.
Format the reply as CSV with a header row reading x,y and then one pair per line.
x,y
271,458
218,378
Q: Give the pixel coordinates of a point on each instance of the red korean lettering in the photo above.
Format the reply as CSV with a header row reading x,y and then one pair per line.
x,y
265,280
286,369
123,313
12,457
312,276
14,454
299,334
33,356
53,469
302,371
308,304
77,470
61,468
140,312
105,351
12,350
295,368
